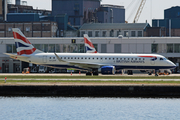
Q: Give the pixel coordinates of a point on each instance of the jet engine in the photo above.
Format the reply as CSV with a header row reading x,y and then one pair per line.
x,y
108,70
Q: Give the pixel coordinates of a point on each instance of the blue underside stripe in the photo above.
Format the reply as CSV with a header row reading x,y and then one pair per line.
x,y
144,67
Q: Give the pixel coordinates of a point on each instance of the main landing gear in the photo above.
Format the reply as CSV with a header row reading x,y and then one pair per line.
x,y
130,72
94,72
88,74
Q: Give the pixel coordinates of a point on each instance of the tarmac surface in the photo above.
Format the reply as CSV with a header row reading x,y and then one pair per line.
x,y
89,79
92,83
77,74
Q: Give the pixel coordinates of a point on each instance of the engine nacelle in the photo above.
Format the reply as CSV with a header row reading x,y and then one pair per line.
x,y
108,70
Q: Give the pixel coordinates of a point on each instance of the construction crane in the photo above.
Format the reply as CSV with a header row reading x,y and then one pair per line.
x,y
136,18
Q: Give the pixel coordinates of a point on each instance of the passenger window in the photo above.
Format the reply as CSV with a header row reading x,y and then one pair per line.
x,y
143,59
68,57
64,57
49,57
161,58
139,58
75,58
85,58
89,58
135,58
101,58
97,58
109,58
124,58
116,58
128,58
105,58
131,58
71,57
113,58
82,58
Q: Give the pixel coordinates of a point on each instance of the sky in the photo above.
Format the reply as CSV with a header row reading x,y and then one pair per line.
x,y
153,9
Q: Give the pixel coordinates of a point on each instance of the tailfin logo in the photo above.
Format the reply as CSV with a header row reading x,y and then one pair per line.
x,y
89,46
23,46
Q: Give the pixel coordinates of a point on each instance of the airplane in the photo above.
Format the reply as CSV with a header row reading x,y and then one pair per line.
x,y
108,63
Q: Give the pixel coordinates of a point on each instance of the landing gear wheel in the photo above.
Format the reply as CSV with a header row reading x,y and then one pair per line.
x,y
88,74
95,73
130,72
156,73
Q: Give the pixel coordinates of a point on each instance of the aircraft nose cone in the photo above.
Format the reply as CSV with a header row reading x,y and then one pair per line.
x,y
173,65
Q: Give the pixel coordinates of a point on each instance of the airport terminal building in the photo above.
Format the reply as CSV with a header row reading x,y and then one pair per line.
x,y
166,46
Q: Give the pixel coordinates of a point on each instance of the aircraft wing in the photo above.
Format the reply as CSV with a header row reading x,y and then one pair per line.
x,y
16,56
86,65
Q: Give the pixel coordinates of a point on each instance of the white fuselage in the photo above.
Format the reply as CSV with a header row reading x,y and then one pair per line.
x,y
91,61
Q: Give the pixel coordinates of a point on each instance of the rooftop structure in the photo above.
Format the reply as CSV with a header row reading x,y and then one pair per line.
x,y
114,29
171,22
122,26
111,14
78,11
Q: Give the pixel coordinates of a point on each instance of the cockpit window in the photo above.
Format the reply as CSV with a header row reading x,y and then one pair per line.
x,y
163,59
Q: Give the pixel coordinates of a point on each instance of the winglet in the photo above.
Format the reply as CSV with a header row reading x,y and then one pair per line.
x,y
60,60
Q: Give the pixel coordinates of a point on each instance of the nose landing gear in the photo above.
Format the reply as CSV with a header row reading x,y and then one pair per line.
x,y
156,72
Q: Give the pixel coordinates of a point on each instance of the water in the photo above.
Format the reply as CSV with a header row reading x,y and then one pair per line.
x,y
59,108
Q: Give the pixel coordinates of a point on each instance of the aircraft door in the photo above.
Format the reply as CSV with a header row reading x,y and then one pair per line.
x,y
44,59
5,68
152,61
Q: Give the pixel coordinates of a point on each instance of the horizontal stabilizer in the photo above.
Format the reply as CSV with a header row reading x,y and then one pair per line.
x,y
16,56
